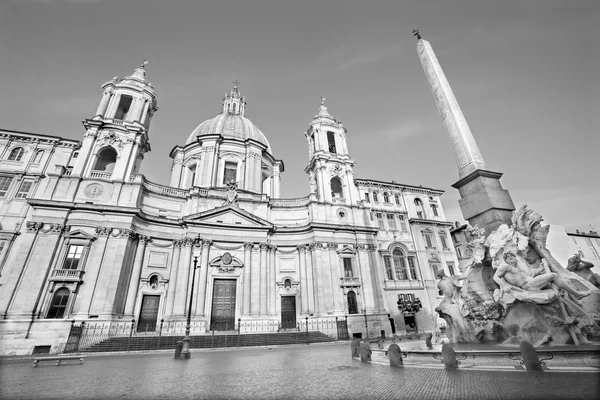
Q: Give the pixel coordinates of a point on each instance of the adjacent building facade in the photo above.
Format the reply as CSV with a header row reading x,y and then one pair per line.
x,y
85,237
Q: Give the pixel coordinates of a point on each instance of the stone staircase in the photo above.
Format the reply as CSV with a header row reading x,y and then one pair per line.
x,y
141,343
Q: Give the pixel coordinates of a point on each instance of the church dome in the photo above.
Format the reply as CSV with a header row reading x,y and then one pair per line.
x,y
231,123
230,126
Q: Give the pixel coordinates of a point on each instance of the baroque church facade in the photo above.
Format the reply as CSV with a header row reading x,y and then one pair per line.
x,y
85,237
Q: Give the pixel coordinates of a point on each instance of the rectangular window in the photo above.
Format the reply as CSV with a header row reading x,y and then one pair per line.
x,y
73,257
375,199
24,189
434,209
230,173
387,260
420,214
380,220
391,221
412,266
451,268
371,215
400,267
428,241
75,155
331,142
367,197
348,267
403,223
456,237
5,182
458,252
589,242
397,199
443,240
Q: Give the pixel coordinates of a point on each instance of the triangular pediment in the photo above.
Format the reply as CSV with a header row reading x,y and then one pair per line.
x,y
78,234
228,215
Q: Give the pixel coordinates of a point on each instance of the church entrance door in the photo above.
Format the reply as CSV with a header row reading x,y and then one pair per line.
x,y
222,317
288,312
148,313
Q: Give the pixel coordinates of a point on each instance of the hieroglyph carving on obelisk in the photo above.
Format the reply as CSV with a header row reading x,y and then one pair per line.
x,y
466,153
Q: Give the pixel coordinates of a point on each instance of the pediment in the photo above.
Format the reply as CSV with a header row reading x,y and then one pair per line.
x,y
79,234
228,215
346,250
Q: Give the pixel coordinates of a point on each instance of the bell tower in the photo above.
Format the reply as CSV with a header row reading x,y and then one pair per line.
x,y
116,137
330,168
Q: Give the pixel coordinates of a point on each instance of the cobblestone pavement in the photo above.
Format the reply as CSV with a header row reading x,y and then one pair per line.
x,y
310,372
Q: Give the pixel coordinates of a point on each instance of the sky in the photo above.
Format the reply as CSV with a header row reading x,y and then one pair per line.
x,y
524,73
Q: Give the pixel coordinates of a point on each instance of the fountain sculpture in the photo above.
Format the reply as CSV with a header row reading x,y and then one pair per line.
x,y
512,289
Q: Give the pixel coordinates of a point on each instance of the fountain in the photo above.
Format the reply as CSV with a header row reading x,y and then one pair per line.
x,y
512,289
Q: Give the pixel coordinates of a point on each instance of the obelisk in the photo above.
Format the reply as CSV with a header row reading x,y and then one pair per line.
x,y
484,202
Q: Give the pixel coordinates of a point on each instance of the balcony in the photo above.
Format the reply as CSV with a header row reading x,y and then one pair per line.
x,y
100,174
67,275
352,281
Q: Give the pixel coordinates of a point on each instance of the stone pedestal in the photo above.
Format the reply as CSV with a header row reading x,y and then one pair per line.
x,y
484,202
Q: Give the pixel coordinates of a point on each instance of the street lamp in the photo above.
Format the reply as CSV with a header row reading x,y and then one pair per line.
x,y
185,350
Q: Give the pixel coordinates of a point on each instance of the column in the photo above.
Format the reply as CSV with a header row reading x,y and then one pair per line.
x,y
173,276
246,271
202,291
182,277
255,288
271,285
134,281
176,171
103,103
145,113
112,106
276,182
327,296
303,281
94,260
264,247
313,278
140,105
365,277
338,301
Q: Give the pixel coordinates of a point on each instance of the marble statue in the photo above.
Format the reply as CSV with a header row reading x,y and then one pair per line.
x,y
510,274
513,289
583,268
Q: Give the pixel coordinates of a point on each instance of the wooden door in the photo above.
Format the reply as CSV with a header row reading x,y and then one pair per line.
x,y
288,312
222,317
148,313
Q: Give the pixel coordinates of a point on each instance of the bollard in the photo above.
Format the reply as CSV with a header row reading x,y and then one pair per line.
x,y
365,351
354,347
530,357
395,355
428,338
178,347
449,356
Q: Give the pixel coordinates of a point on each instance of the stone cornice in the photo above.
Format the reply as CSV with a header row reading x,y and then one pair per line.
x,y
397,186
429,222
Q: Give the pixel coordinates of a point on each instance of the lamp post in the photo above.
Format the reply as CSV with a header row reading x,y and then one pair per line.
x,y
185,350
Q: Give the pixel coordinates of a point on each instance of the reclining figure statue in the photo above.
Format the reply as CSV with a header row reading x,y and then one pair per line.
x,y
531,285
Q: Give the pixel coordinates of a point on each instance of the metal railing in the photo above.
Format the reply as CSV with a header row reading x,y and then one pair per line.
x,y
127,335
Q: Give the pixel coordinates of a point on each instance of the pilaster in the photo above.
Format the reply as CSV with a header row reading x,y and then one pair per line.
x,y
202,289
134,280
303,279
247,278
173,276
264,247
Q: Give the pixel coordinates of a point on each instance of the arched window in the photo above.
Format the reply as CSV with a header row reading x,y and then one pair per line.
x,y
59,303
191,175
352,304
386,197
106,160
16,154
336,187
419,207
38,157
399,264
153,282
375,199
397,199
